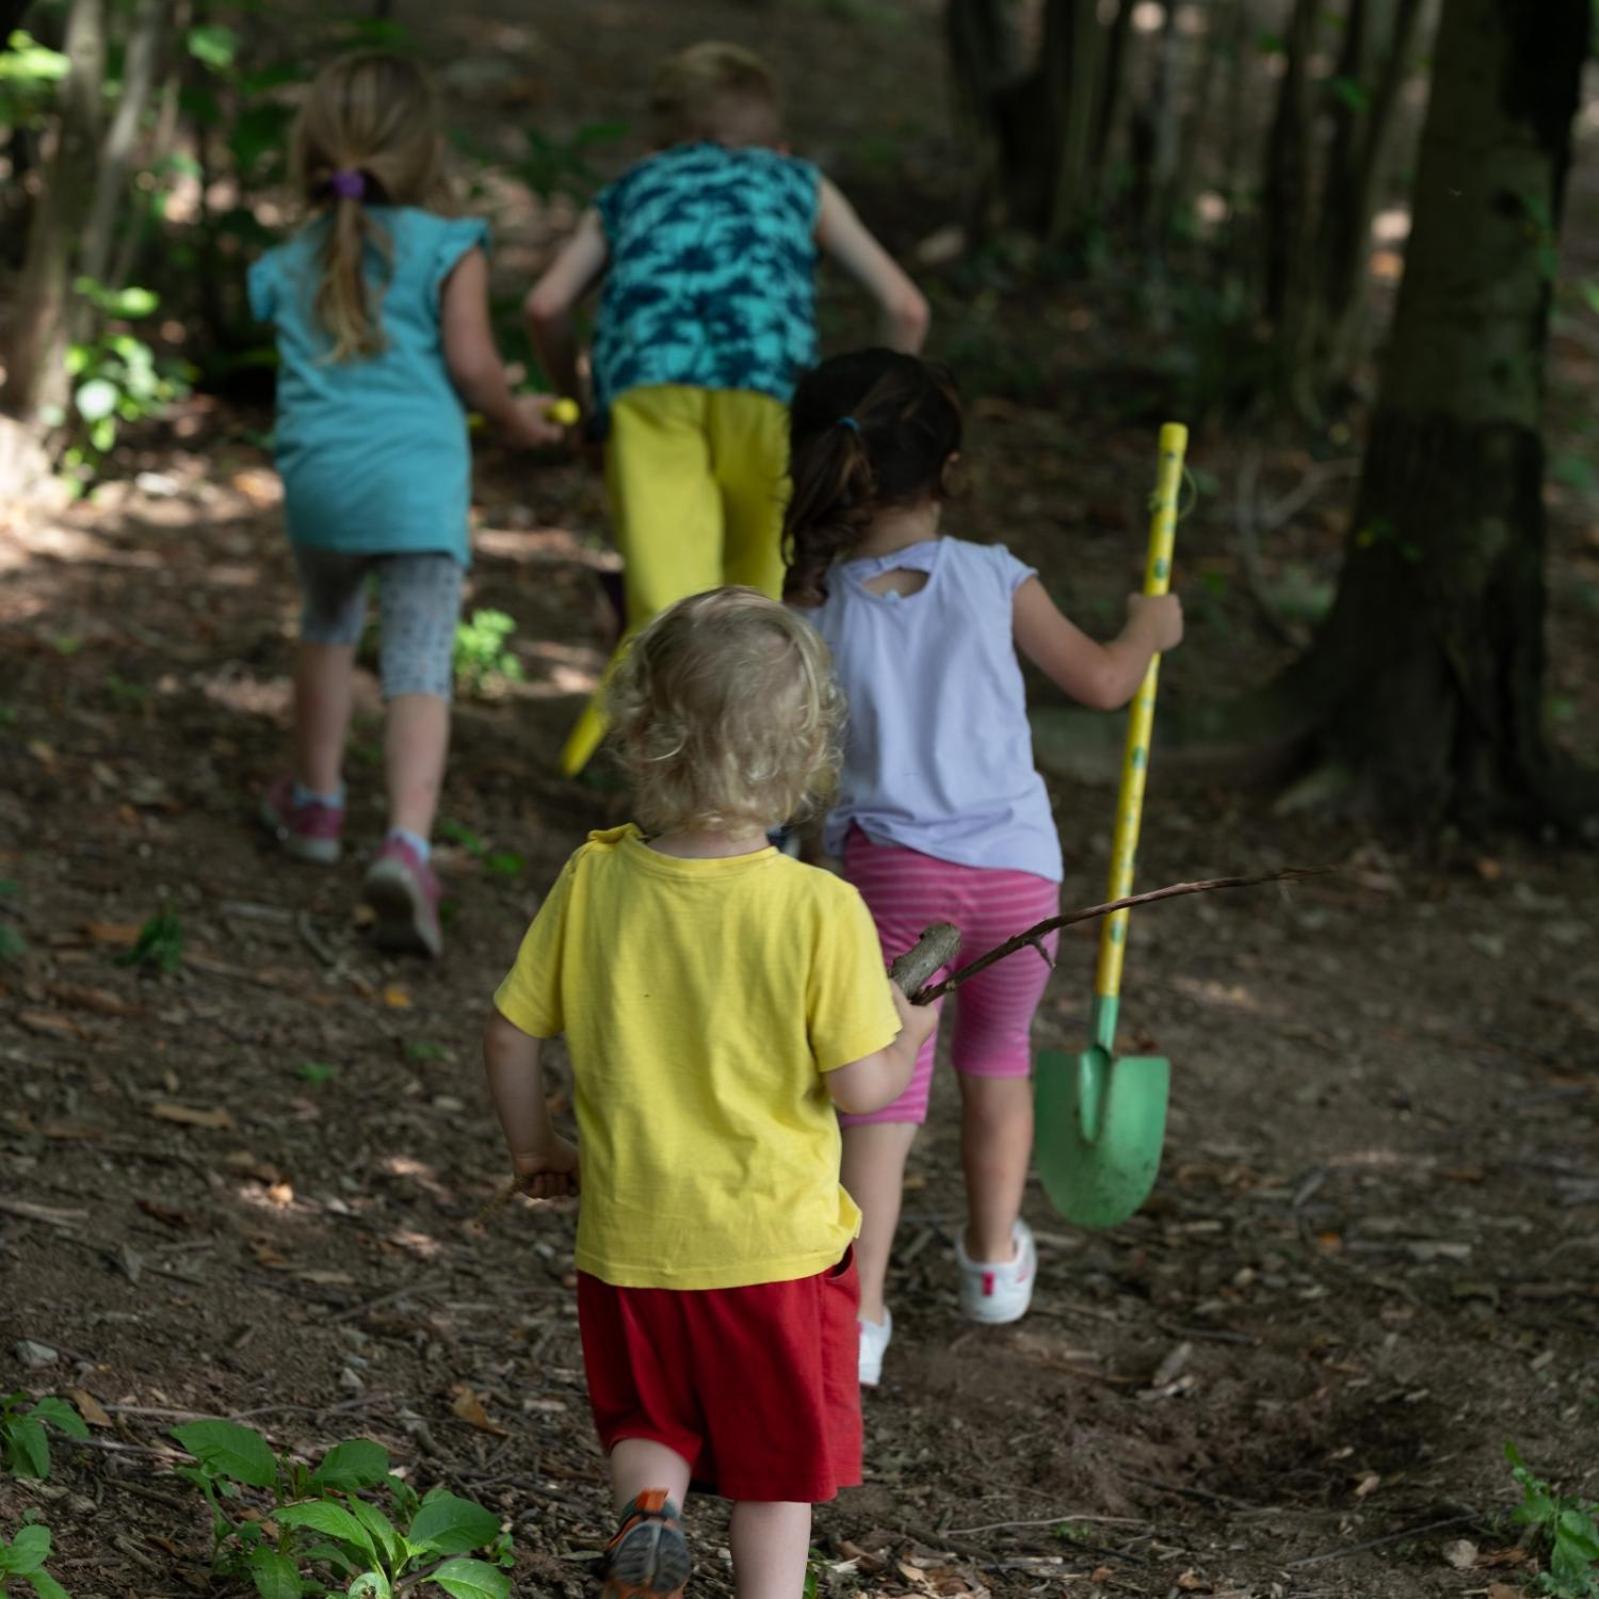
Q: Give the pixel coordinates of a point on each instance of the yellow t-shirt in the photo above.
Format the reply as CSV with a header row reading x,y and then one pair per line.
x,y
702,1000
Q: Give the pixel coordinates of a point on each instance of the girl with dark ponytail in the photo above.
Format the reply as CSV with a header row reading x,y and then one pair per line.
x,y
380,305
940,814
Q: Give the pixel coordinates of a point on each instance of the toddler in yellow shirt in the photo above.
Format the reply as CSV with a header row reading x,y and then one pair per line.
x,y
718,1000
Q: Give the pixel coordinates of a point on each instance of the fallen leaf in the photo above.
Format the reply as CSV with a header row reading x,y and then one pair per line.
x,y
89,1407
46,1021
1192,1582
863,1559
112,932
281,1194
248,1165
1461,1554
1503,1590
100,1000
396,997
193,1116
272,1259
1512,1555
1369,1483
330,1278
170,1215
41,752
469,1408
1488,869
68,1132
1101,1574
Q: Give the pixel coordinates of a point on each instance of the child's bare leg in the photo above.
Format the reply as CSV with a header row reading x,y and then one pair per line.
x,y
771,1543
324,676
640,1464
996,1147
874,1174
415,745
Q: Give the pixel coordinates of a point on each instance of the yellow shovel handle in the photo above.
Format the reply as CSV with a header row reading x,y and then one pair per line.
x,y
1135,757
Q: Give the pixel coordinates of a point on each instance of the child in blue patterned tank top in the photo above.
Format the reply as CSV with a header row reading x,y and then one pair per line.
x,y
381,314
707,250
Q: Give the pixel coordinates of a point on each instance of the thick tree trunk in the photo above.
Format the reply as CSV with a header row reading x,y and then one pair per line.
x,y
36,336
1074,52
1427,677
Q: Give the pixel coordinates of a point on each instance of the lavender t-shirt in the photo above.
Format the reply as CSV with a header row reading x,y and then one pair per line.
x,y
938,755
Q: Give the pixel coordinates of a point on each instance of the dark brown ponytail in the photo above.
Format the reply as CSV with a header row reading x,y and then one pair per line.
x,y
867,431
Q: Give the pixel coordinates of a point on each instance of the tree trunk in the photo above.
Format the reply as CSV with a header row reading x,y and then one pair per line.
x,y
1074,48
36,378
1427,677
1113,87
116,156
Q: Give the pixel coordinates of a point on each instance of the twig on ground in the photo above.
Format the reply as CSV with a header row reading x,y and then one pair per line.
x,y
1064,1518
67,1220
1029,938
1378,1543
313,941
424,1285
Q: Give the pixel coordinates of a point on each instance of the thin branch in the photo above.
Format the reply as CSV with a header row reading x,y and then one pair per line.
x,y
1032,935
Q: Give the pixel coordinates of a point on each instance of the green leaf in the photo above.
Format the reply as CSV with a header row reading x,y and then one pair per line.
x,y
472,1579
370,1585
95,399
28,1448
1352,94
391,1546
230,1450
213,46
1578,1532
450,1525
360,1463
62,1415
504,863
29,1550
275,1575
46,1587
321,1516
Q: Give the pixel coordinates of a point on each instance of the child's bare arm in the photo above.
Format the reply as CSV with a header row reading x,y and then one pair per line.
x,y
868,1084
1101,676
545,1163
844,236
474,363
551,301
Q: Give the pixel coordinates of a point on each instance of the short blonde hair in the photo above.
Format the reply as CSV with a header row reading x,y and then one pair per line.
x,y
726,715
715,91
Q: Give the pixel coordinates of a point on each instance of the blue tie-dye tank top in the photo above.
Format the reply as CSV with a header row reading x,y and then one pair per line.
x,y
710,281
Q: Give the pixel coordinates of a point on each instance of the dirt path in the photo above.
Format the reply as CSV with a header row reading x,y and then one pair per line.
x,y
1370,1260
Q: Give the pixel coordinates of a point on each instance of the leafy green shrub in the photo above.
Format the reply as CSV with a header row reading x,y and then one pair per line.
x,y
159,946
24,1557
320,1528
481,655
1566,1529
23,1439
497,862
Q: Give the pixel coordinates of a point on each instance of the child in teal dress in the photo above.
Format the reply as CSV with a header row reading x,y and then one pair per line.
x,y
380,305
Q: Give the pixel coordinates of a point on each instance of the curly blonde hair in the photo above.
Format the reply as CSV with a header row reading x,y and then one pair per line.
x,y
726,715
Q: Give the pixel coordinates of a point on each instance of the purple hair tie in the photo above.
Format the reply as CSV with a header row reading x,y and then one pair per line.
x,y
348,184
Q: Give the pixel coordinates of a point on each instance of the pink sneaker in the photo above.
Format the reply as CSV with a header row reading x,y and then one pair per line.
x,y
403,892
309,831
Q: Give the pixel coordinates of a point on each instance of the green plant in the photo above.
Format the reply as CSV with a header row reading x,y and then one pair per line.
x,y
29,73
13,946
159,946
23,1439
1566,1529
116,376
320,1529
497,862
24,1557
315,1072
481,653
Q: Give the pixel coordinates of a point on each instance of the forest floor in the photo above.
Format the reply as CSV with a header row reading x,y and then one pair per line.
x,y
246,1188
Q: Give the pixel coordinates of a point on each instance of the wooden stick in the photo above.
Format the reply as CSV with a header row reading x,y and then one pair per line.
x,y
1033,937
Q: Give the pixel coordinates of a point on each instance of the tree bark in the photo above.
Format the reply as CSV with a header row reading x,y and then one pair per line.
x,y
1427,677
1074,48
36,378
140,63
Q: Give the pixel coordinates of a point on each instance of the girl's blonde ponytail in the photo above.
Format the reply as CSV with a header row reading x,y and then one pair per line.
x,y
366,135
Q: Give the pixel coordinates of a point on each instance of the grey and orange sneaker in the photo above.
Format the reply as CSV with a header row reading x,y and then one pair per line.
x,y
307,829
404,896
648,1558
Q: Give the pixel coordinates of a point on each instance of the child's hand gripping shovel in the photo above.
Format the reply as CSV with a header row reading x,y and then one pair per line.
x,y
1102,1118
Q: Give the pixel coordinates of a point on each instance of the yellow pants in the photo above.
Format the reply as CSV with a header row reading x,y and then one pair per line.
x,y
696,481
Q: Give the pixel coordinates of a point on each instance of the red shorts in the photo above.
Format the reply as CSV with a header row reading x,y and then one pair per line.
x,y
757,1388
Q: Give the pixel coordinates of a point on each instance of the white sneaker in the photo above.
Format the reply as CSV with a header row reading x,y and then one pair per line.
x,y
874,1345
997,1291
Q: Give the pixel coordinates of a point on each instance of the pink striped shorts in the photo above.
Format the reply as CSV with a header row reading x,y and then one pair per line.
x,y
905,890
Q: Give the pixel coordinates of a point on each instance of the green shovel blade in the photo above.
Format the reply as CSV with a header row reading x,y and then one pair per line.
x,y
1101,1122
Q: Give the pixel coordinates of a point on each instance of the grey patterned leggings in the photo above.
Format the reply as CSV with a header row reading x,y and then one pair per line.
x,y
419,597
